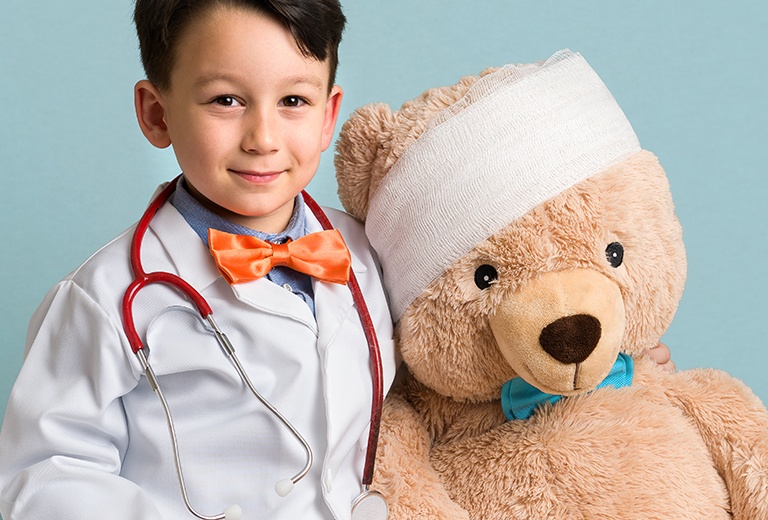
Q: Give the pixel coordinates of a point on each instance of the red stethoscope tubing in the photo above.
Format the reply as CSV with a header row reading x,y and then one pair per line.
x,y
143,279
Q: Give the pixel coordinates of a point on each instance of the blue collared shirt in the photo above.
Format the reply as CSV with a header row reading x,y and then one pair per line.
x,y
201,219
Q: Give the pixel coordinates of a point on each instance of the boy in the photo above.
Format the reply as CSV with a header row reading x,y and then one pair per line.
x,y
244,91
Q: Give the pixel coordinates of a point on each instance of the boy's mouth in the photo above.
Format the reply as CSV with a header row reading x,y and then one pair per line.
x,y
258,177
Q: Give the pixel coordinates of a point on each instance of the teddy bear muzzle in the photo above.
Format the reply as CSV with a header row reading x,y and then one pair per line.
x,y
562,332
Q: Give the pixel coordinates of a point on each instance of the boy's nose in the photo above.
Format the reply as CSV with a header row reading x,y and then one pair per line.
x,y
260,134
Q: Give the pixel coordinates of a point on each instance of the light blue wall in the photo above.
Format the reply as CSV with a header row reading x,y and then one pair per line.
x,y
691,76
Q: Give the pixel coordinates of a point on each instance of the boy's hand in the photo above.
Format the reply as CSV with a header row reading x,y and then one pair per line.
x,y
661,355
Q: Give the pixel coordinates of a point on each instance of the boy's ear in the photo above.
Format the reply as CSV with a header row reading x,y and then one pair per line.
x,y
150,111
331,115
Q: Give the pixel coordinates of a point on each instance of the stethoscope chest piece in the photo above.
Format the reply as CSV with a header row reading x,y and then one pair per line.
x,y
370,505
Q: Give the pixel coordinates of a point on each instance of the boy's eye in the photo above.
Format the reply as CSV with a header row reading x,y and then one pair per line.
x,y
226,101
292,101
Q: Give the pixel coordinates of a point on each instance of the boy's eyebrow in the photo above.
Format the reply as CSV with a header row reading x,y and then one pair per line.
x,y
307,79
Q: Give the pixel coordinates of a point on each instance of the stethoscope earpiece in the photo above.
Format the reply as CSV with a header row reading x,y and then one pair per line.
x,y
284,486
234,512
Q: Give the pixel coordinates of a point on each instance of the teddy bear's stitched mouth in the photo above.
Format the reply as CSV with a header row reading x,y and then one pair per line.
x,y
576,375
536,383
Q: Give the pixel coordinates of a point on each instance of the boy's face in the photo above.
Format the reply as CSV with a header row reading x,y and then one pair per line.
x,y
247,114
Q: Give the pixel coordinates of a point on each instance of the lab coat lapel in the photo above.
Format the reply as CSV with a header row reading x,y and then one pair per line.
x,y
189,258
267,296
332,301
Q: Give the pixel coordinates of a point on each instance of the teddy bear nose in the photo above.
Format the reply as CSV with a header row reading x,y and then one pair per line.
x,y
571,339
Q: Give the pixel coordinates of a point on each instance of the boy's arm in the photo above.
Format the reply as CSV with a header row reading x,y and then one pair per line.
x,y
65,432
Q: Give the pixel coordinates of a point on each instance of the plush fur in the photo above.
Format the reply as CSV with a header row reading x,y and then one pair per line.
x,y
688,445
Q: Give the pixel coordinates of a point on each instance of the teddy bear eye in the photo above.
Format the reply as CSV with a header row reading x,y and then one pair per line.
x,y
485,275
615,254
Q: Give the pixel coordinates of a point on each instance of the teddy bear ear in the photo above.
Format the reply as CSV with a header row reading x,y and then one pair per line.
x,y
361,156
489,70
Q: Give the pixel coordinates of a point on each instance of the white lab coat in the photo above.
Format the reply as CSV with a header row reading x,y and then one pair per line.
x,y
84,436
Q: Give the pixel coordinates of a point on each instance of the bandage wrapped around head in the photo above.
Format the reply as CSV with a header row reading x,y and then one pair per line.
x,y
520,136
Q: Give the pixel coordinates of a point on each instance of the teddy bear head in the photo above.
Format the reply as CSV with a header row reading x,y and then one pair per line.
x,y
522,231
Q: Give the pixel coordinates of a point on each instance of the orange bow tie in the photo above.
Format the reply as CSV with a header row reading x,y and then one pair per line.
x,y
242,258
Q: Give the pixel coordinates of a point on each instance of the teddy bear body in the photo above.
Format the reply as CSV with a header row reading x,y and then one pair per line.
x,y
616,453
556,301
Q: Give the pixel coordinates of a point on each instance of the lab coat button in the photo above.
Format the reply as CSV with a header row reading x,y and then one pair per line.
x,y
328,481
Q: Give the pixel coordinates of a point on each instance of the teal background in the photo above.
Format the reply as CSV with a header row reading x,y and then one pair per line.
x,y
690,75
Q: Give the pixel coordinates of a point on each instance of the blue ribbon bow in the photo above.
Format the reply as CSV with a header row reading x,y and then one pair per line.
x,y
519,398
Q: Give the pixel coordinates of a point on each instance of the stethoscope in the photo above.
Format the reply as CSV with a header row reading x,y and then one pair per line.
x,y
369,504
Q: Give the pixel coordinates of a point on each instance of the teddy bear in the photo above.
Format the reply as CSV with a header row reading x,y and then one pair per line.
x,y
531,254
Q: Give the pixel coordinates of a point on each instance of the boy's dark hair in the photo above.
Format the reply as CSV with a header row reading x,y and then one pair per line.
x,y
316,26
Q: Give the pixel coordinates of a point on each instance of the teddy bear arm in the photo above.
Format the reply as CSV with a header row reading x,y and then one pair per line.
x,y
734,426
404,474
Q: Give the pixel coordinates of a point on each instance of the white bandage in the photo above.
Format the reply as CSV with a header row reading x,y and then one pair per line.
x,y
519,137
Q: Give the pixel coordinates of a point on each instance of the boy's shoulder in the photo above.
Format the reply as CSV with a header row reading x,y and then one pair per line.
x,y
109,269
113,257
343,220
